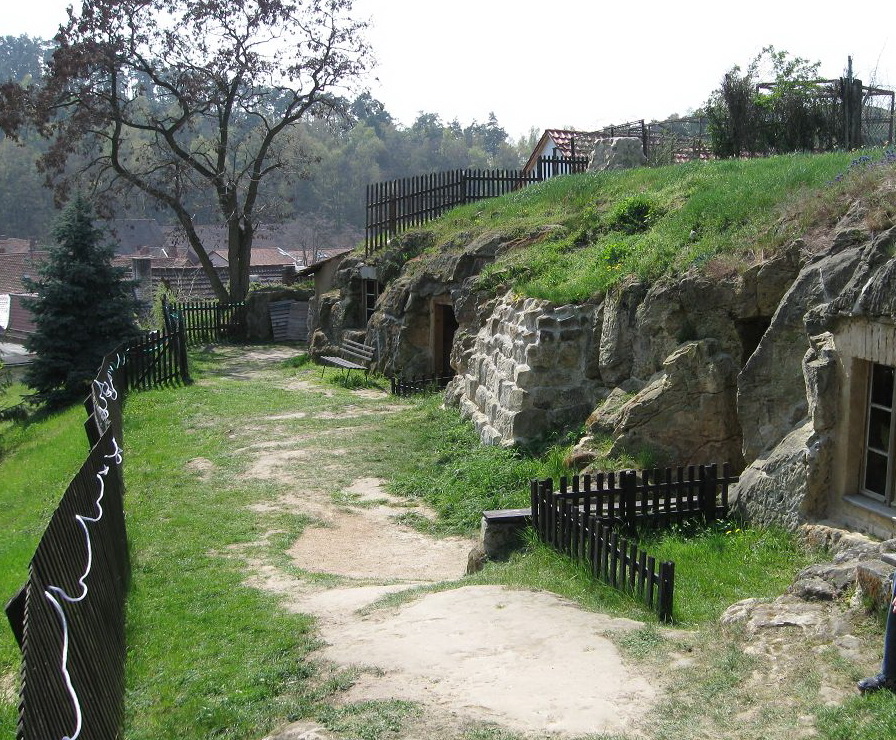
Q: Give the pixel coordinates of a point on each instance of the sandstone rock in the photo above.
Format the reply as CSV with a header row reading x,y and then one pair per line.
x,y
774,488
813,589
579,459
771,399
757,615
686,414
477,559
618,153
617,334
875,580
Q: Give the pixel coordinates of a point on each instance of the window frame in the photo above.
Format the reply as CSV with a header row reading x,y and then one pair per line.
x,y
889,454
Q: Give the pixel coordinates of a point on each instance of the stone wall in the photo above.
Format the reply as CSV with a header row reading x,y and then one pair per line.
x,y
802,398
763,366
528,371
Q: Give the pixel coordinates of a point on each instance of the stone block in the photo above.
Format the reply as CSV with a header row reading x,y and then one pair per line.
x,y
502,532
516,400
875,578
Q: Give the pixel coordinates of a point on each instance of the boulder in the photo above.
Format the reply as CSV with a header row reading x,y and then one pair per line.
x,y
686,414
617,153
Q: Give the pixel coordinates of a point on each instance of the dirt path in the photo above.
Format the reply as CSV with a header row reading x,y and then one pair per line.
x,y
483,661
466,655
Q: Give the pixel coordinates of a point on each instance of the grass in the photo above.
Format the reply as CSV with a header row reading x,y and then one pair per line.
x,y
38,461
726,562
649,222
210,656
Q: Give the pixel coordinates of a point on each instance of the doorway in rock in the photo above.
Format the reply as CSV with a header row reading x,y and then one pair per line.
x,y
444,325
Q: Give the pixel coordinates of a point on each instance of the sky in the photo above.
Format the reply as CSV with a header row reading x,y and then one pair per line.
x,y
580,64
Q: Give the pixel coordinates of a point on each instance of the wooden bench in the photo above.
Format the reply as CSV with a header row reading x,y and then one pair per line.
x,y
355,356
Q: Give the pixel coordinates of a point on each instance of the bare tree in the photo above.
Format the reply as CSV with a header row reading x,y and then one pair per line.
x,y
191,102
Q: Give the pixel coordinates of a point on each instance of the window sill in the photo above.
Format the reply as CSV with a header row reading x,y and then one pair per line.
x,y
874,507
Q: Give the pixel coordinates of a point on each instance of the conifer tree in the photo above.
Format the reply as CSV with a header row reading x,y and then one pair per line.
x,y
82,309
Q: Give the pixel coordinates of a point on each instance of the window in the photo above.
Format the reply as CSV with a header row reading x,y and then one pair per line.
x,y
878,473
371,293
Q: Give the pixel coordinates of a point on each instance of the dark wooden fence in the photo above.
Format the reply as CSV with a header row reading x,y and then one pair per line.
x,y
156,360
419,384
396,205
69,616
206,321
587,516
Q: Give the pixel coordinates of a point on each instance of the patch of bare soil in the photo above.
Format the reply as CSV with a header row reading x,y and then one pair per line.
x,y
522,661
8,690
471,654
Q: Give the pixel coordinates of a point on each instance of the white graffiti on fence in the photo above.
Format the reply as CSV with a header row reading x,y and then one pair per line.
x,y
106,391
82,520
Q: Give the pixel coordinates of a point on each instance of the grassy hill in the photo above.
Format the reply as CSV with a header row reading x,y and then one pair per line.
x,y
581,234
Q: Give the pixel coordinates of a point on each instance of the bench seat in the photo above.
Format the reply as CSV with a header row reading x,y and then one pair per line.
x,y
355,356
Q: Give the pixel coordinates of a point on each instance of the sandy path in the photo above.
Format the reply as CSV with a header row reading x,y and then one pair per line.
x,y
526,661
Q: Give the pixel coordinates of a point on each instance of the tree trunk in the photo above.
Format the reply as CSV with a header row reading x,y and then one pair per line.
x,y
239,255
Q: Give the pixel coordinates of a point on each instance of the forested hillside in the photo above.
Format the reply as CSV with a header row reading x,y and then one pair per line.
x,y
336,158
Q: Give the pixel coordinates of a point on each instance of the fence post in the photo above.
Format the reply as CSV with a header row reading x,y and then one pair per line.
x,y
629,484
180,336
708,478
533,499
667,586
392,225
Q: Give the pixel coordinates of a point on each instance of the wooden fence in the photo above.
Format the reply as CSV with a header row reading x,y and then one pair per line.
x,y
204,322
583,520
156,360
69,617
419,384
396,205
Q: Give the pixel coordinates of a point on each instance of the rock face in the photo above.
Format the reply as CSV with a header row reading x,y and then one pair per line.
x,y
527,370
619,153
766,367
802,396
687,413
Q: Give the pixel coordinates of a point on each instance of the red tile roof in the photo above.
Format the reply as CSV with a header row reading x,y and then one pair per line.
x,y
14,266
568,143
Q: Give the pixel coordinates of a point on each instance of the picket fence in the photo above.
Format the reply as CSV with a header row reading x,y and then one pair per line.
x,y
588,517
69,616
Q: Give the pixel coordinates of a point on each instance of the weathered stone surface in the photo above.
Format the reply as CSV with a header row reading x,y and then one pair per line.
x,y
813,589
499,537
771,388
615,357
784,611
477,559
687,413
617,153
773,488
837,577
527,364
875,579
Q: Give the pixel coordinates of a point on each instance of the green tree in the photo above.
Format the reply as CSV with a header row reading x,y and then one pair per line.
x,y
191,102
774,106
22,58
82,310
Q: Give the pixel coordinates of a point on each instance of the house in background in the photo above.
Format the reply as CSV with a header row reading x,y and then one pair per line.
x,y
16,321
16,246
556,151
